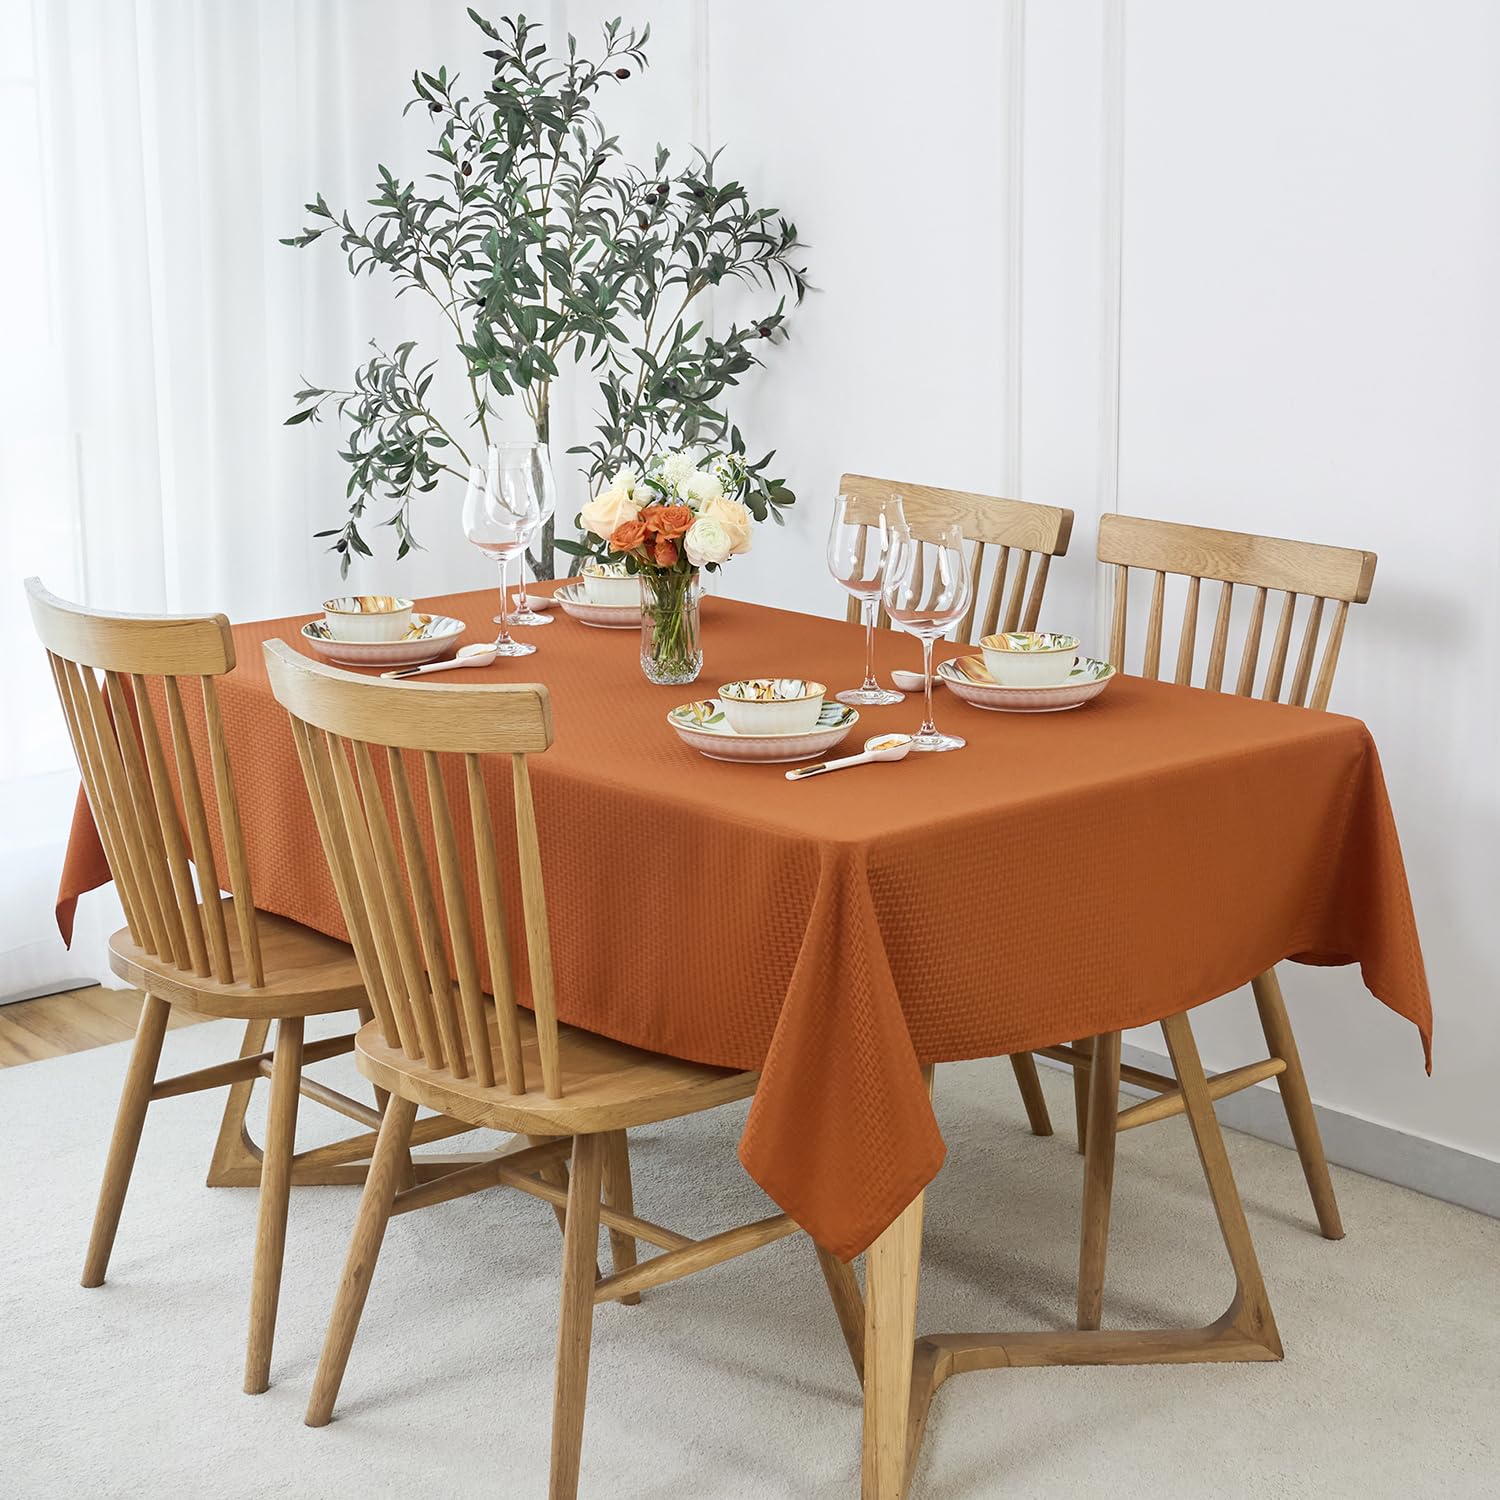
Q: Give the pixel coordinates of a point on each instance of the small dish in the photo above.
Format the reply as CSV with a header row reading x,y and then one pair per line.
x,y
1029,658
704,728
430,637
966,677
604,616
772,705
602,585
908,682
367,617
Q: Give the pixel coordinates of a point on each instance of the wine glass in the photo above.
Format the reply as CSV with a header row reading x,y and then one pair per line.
x,y
859,547
539,460
926,592
500,517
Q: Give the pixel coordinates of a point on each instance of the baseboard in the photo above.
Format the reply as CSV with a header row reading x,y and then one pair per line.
x,y
1378,1151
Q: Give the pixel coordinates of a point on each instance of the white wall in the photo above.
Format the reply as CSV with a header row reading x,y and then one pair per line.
x,y
1228,265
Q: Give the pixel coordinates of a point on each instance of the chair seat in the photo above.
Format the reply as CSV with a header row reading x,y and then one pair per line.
x,y
307,973
606,1085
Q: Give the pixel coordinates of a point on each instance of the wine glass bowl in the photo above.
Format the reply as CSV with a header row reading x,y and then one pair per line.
x,y
859,548
927,592
501,515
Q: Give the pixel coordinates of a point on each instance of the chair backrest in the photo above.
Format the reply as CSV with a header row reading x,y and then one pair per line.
x,y
1004,534
351,733
1340,576
110,669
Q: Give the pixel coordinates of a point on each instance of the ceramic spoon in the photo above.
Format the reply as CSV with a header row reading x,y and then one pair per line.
x,y
880,747
468,656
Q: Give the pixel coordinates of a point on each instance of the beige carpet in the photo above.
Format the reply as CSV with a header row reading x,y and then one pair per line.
x,y
733,1385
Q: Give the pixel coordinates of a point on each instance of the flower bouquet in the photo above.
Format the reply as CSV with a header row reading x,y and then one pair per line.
x,y
683,514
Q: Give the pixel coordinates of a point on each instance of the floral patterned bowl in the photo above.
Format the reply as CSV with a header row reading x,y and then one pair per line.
x,y
367,617
1029,658
703,726
966,677
772,705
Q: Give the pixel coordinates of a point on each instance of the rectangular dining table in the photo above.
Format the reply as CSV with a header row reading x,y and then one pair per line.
x,y
1065,875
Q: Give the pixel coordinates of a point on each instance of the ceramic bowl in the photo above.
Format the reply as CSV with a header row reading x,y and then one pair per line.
x,y
617,591
704,727
1029,658
430,637
603,616
966,677
367,617
772,705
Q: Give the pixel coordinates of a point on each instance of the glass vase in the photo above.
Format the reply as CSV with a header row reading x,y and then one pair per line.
x,y
671,646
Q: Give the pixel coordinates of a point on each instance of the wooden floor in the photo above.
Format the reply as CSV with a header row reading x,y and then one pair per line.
x,y
73,1021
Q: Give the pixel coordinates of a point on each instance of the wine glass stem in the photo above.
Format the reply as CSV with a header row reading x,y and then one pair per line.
x,y
871,609
928,727
503,639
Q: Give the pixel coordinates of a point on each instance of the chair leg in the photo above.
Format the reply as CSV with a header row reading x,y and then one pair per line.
x,y
1024,1066
1081,1094
135,1096
555,1174
275,1193
576,1325
1297,1102
619,1194
848,1303
1098,1176
232,1149
364,1249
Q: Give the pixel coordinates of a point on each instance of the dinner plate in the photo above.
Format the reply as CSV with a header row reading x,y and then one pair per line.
x,y
967,678
703,726
601,616
430,637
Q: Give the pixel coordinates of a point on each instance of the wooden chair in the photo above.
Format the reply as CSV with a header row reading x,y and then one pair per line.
x,y
1005,534
186,943
1330,579
400,859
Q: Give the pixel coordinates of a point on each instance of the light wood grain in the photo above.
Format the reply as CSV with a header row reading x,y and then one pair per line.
x,y
73,1021
437,1041
187,943
1015,539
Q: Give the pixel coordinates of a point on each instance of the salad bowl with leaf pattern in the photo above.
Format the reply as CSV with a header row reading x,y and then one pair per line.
x,y
705,727
968,678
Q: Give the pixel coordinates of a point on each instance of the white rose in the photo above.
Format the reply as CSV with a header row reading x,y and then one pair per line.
x,y
701,488
707,542
603,513
734,518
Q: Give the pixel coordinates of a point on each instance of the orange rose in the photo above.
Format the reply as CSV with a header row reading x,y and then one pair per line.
x,y
667,520
627,536
665,553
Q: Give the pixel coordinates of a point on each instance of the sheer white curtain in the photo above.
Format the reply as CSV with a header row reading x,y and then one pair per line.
x,y
154,152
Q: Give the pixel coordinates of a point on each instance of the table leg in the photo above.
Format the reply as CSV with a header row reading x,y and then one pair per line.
x,y
892,1267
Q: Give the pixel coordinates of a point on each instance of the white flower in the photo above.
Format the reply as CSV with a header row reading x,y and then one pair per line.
x,y
700,487
707,542
735,520
675,469
627,480
602,514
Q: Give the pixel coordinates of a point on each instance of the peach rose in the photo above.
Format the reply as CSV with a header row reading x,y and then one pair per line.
x,y
627,536
667,520
734,518
603,514
664,553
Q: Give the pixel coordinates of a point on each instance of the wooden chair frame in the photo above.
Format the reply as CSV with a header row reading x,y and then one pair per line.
x,y
1004,533
438,1039
186,942
1325,576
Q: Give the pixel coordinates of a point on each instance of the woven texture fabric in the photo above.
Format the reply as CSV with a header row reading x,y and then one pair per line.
x,y
1065,875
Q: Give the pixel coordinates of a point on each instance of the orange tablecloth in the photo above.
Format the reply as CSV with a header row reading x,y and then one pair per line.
x,y
1066,874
